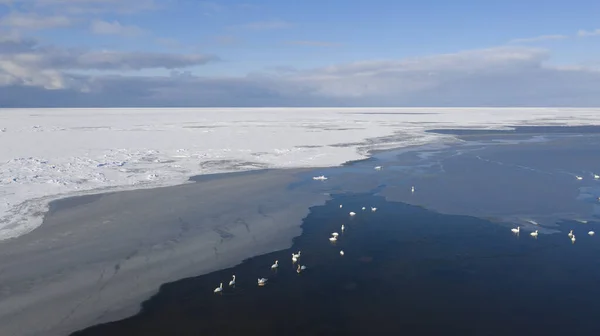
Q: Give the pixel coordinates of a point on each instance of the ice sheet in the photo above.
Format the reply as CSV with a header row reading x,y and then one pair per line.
x,y
46,154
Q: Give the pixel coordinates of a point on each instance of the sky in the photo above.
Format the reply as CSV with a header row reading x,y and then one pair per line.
x,y
274,53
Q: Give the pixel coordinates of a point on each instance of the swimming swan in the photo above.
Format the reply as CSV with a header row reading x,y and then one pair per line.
x,y
571,234
579,177
517,230
364,208
335,234
275,265
320,178
352,213
373,209
232,282
341,206
378,168
343,227
219,289
596,176
412,189
262,281
300,269
534,234
332,239
341,253
573,238
591,233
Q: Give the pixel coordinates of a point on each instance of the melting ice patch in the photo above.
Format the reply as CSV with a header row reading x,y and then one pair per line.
x,y
54,153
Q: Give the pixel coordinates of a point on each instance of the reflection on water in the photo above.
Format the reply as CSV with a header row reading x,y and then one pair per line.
x,y
405,270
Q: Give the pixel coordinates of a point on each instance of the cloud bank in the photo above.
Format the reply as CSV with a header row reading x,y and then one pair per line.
x,y
32,74
35,74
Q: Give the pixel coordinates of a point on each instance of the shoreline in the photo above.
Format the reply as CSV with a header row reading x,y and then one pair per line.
x,y
459,135
33,175
102,258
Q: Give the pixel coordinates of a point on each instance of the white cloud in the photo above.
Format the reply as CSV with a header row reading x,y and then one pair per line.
x,y
539,38
101,27
503,76
24,62
585,33
34,21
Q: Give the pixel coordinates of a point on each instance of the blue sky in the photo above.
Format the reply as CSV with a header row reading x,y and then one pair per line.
x,y
303,52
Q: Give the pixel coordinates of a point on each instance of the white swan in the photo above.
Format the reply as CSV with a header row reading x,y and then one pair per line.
x,y
412,189
364,208
275,265
534,233
579,178
332,239
340,206
573,238
219,289
591,233
334,234
517,230
294,259
232,282
297,255
373,209
571,234
378,167
352,213
343,227
262,281
320,178
596,176
300,268
341,253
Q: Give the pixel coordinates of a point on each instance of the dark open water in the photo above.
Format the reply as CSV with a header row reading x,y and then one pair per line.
x,y
406,271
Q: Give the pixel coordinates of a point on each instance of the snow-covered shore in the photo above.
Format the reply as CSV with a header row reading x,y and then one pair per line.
x,y
46,154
